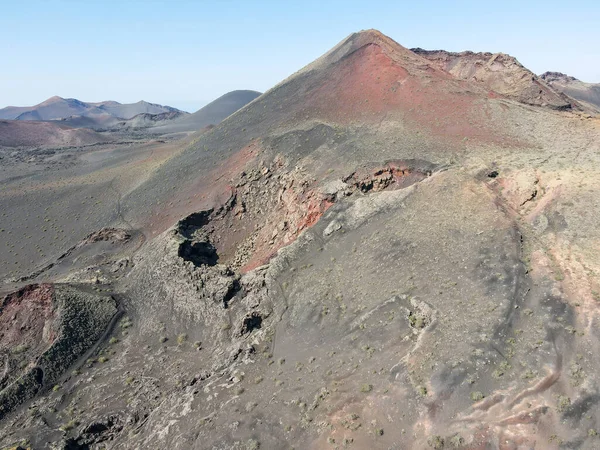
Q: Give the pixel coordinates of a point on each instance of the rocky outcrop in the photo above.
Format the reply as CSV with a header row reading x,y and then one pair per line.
x,y
587,93
500,73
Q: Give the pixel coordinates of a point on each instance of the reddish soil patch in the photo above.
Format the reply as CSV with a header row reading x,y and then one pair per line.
x,y
368,84
297,213
23,317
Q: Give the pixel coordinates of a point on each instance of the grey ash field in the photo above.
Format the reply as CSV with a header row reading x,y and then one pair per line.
x,y
390,249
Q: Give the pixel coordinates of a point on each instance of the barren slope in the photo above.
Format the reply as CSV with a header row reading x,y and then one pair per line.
x,y
373,254
14,133
211,114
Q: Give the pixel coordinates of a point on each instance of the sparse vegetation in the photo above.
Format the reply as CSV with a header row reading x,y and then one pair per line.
x,y
20,349
125,323
477,396
69,425
457,441
239,390
252,444
437,442
563,403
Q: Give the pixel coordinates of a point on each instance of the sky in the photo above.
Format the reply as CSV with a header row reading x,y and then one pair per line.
x,y
186,53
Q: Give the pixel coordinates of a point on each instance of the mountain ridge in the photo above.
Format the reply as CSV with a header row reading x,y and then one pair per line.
x,y
587,93
500,72
56,108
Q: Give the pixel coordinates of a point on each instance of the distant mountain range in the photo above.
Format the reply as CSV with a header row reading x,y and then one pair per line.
x,y
111,115
56,108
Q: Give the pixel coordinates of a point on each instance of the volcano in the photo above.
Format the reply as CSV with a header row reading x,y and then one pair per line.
x,y
388,249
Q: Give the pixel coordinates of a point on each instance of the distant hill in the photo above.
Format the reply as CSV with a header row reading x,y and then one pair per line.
x,y
61,108
128,111
18,133
588,93
106,122
211,114
147,120
100,122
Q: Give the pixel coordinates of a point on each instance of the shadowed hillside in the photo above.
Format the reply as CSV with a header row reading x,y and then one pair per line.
x,y
211,114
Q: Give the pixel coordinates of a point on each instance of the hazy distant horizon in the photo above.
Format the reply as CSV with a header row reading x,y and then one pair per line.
x,y
185,54
182,105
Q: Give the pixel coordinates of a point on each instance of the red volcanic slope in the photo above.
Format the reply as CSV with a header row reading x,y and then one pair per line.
x,y
369,75
23,315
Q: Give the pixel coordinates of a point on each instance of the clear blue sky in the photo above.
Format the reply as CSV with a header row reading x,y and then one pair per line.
x,y
186,53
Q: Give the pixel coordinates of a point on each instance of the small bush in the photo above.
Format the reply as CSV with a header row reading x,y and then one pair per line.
x,y
252,444
563,403
366,388
437,442
69,425
477,396
239,390
20,349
